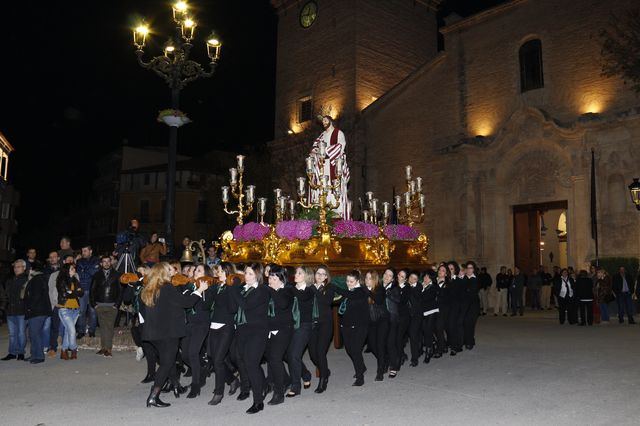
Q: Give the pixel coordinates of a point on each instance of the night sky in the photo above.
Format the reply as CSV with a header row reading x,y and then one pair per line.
x,y
73,91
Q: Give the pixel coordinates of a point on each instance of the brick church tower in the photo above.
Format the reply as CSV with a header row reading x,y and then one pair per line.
x,y
338,56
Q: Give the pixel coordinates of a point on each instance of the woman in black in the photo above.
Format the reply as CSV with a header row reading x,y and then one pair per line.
x,y
322,328
403,313
430,313
354,322
458,308
197,331
472,302
303,322
252,331
164,324
379,324
221,330
444,306
415,314
392,298
280,329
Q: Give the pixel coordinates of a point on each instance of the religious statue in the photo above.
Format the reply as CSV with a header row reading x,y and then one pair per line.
x,y
335,144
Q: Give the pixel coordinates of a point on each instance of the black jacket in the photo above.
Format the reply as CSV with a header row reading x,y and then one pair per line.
x,y
471,288
36,297
65,292
282,303
393,298
200,313
255,305
584,288
557,286
617,283
379,298
444,295
429,297
484,281
14,290
324,299
415,302
502,281
105,290
166,319
305,303
224,306
403,305
357,313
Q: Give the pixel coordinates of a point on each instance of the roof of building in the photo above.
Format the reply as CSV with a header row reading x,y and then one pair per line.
x,y
4,143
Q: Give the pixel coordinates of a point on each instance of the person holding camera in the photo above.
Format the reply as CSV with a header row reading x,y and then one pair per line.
x,y
150,254
130,241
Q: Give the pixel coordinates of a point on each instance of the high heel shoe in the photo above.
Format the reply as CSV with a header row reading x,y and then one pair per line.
x,y
276,399
148,378
193,391
179,390
154,398
233,386
255,408
216,399
322,385
306,385
292,394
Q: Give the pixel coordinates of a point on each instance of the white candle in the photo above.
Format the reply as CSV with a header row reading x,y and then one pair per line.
x,y
278,193
365,215
292,208
234,176
250,193
309,165
301,186
419,184
369,195
323,149
374,207
407,199
398,201
282,204
408,172
225,194
262,206
385,209
240,163
412,186
422,201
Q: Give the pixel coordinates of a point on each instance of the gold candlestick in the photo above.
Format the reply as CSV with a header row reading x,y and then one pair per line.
x,y
245,207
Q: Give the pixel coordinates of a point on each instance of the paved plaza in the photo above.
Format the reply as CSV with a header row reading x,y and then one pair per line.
x,y
524,371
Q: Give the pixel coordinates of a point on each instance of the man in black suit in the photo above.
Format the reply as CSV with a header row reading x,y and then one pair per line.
x,y
564,288
623,287
104,297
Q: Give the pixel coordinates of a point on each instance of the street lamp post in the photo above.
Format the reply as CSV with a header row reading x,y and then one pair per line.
x,y
634,191
177,70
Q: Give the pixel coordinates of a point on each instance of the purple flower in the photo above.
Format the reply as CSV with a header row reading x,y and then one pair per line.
x,y
400,232
295,229
354,229
251,231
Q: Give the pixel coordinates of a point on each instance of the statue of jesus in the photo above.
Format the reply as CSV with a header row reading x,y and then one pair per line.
x,y
335,144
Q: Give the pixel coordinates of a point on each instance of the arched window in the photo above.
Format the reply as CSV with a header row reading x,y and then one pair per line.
x,y
531,75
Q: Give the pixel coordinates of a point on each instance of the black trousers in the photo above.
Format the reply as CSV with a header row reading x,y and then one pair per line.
x,y
167,350
470,320
251,344
191,346
297,370
321,334
586,312
150,353
377,338
219,346
392,360
403,328
277,345
443,326
431,330
354,338
415,337
456,324
567,307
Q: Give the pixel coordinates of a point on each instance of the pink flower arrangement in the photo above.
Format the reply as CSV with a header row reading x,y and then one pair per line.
x,y
400,232
295,229
251,231
354,229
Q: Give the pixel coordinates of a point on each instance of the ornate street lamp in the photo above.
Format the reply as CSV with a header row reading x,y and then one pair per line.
x,y
177,70
634,190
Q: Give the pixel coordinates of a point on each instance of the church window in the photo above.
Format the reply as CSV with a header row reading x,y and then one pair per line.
x,y
305,109
531,74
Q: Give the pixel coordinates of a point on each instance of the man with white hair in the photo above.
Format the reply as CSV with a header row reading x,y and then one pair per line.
x,y
14,289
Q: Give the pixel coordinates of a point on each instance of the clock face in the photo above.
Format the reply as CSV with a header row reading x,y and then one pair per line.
x,y
308,14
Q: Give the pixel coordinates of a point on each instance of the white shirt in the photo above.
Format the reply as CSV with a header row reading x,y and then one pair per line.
x,y
566,287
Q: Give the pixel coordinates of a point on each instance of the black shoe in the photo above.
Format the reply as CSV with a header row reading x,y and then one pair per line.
x,y
437,355
8,357
632,322
255,408
267,390
26,359
378,377
148,378
154,398
414,362
306,384
179,390
469,347
504,315
36,361
168,387
20,357
233,386
276,399
216,399
452,353
392,374
620,320
243,395
359,381
92,334
79,336
292,394
194,390
322,385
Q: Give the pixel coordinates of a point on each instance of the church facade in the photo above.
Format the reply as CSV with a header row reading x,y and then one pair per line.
x,y
501,125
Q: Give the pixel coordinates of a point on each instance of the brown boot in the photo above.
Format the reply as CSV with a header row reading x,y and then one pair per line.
x,y
64,354
74,354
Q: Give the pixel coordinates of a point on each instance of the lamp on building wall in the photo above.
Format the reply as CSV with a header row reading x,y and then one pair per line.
x,y
634,190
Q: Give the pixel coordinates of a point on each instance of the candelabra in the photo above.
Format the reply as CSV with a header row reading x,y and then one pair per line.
x,y
238,192
323,187
372,214
285,207
410,205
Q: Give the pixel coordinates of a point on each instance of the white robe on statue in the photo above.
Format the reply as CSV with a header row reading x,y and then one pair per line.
x,y
333,153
